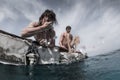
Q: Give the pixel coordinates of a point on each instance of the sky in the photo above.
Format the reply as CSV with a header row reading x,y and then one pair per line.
x,y
96,22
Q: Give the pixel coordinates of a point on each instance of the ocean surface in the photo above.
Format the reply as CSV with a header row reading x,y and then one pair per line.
x,y
101,67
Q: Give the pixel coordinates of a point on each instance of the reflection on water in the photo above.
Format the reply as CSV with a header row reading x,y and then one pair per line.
x,y
42,72
55,72
103,67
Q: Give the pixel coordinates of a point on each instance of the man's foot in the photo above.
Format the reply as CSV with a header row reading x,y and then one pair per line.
x,y
70,51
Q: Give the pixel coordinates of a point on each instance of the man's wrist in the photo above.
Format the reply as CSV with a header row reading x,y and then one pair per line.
x,y
41,27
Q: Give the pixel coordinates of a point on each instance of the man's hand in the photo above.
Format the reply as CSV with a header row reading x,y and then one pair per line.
x,y
46,24
63,47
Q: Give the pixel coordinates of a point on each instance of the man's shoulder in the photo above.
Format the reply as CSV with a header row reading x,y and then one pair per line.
x,y
63,34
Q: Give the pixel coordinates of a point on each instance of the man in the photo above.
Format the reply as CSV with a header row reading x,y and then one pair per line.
x,y
42,30
66,39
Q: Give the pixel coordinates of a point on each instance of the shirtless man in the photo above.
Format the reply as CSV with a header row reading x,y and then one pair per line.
x,y
66,39
42,30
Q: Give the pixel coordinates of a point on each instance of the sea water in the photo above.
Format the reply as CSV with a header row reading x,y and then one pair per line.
x,y
101,67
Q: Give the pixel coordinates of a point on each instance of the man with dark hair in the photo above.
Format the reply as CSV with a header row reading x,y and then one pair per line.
x,y
42,30
66,39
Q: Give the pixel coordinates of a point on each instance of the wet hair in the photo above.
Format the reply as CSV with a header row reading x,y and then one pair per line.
x,y
50,14
68,27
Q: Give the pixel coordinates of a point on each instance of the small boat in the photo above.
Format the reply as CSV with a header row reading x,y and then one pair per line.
x,y
16,50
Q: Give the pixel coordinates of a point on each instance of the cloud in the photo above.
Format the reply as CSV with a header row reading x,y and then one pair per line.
x,y
1,16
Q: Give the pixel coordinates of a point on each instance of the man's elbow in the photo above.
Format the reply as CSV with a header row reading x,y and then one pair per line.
x,y
24,34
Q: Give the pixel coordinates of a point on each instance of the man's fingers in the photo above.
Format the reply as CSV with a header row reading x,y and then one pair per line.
x,y
49,23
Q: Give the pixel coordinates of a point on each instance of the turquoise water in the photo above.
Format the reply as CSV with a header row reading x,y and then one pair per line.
x,y
102,67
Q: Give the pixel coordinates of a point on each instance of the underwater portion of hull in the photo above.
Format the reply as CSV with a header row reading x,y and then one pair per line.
x,y
15,50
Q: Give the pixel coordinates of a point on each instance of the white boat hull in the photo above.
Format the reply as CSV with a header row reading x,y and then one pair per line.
x,y
14,50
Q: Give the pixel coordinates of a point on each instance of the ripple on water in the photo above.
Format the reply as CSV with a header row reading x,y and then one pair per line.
x,y
108,75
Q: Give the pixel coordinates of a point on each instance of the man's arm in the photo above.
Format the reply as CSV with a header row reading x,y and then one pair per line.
x,y
61,39
68,42
31,29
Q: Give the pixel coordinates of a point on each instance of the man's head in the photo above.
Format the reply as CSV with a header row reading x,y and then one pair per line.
x,y
68,29
48,16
